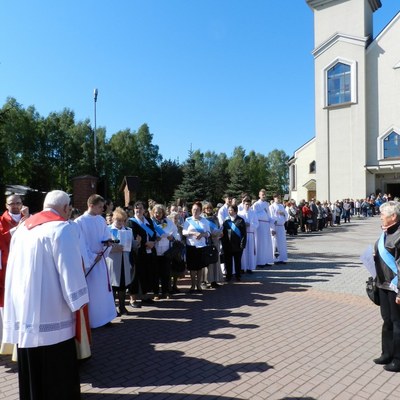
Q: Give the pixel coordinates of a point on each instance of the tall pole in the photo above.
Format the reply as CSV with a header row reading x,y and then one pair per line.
x,y
95,93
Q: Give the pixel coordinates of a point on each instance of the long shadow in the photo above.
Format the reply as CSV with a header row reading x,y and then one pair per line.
x,y
131,354
5,362
158,396
130,346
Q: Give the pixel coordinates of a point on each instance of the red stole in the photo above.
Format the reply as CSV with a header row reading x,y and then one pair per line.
x,y
41,218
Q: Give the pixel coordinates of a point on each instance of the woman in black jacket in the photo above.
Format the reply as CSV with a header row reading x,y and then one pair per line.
x,y
387,258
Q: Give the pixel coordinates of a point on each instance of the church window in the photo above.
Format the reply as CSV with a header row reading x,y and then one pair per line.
x,y
391,146
313,167
339,84
292,177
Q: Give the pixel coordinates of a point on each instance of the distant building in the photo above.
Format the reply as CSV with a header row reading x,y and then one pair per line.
x,y
356,149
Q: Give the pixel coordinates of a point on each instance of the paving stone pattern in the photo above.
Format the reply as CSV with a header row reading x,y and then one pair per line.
x,y
304,330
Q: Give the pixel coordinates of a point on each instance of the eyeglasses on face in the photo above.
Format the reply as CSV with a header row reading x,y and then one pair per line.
x,y
18,203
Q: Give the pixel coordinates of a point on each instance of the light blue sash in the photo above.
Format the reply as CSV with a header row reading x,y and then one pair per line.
x,y
195,225
143,225
160,231
388,259
213,226
114,232
234,228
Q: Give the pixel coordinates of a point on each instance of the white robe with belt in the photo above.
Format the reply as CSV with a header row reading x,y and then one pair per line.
x,y
264,248
249,259
279,216
94,230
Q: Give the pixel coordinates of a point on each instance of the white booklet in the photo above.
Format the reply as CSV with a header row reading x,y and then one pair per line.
x,y
367,258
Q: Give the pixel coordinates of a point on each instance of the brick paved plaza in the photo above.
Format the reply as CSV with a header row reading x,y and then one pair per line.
x,y
305,330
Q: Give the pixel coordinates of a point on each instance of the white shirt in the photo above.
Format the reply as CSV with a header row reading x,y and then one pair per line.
x,y
188,228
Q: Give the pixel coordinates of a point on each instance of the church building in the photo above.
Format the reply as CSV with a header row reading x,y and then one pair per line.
x,y
356,149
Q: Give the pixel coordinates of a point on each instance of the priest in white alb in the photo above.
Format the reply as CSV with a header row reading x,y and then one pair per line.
x,y
45,286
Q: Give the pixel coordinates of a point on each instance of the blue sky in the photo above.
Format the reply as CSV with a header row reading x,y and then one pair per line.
x,y
206,74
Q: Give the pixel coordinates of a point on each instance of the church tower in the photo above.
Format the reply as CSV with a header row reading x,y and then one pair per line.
x,y
342,32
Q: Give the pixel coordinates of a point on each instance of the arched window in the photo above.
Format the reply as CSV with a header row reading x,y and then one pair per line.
x,y
391,146
313,167
339,84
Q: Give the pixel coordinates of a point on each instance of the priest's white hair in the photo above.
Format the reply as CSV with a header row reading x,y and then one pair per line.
x,y
55,199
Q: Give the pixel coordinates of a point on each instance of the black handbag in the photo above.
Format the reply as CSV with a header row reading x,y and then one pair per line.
x,y
212,252
174,256
372,290
175,252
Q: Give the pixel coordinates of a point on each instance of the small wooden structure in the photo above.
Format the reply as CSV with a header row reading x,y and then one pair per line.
x,y
130,187
82,187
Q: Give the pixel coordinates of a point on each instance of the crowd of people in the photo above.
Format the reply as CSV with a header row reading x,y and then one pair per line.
x,y
133,255
314,215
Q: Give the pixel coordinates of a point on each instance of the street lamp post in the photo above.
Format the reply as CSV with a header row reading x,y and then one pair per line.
x,y
95,93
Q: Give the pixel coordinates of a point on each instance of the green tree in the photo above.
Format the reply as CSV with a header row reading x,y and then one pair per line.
x,y
171,176
257,168
123,159
239,180
278,172
149,160
192,186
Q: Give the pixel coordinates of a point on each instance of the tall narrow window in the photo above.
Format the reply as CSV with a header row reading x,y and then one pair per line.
x,y
391,146
312,167
339,84
293,182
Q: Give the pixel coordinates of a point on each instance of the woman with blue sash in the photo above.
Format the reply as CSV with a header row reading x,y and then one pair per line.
x,y
196,230
233,242
214,272
144,276
387,254
166,233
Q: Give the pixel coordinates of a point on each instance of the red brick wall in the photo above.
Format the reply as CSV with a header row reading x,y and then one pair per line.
x,y
82,188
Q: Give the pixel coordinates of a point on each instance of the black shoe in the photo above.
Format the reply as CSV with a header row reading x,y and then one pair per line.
x,y
267,265
382,360
228,278
215,285
135,304
249,271
238,278
148,301
123,311
394,366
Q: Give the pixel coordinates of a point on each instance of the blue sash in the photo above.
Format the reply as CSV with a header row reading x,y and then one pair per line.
x,y
234,228
213,226
195,225
388,259
114,232
143,225
160,231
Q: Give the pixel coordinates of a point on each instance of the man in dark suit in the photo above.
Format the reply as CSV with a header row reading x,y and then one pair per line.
x,y
233,242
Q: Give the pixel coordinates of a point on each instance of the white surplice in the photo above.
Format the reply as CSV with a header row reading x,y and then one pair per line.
x,y
279,216
249,259
263,235
94,230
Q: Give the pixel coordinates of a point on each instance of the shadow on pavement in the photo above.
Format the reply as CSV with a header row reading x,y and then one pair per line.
x,y
157,396
134,352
